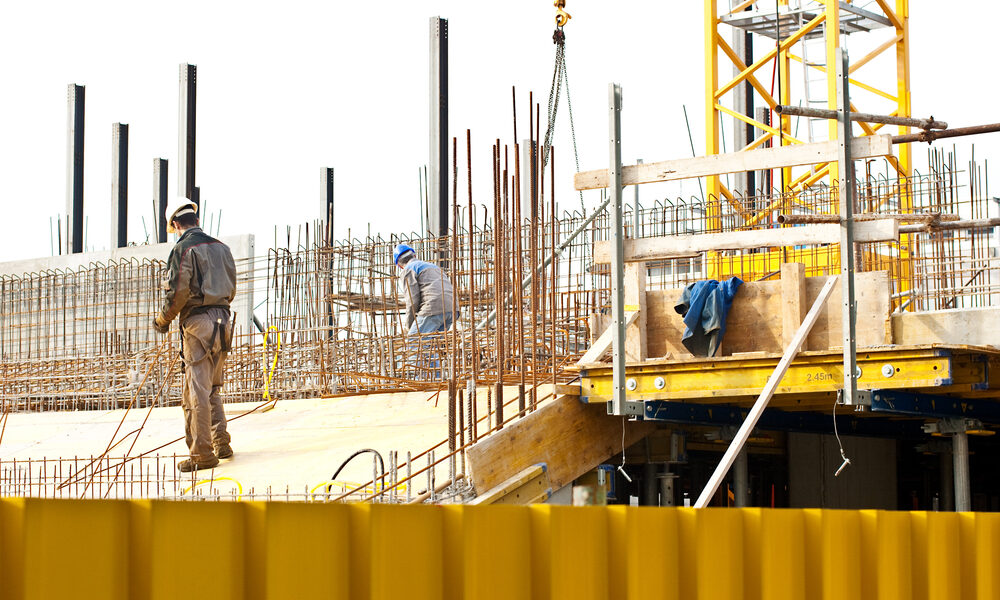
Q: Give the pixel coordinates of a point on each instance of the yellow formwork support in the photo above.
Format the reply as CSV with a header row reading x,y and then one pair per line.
x,y
734,378
162,549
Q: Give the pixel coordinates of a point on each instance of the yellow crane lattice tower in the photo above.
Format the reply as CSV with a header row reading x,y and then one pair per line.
x,y
795,24
787,25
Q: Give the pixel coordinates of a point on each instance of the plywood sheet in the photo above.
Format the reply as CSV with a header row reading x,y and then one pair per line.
x,y
568,436
973,326
871,291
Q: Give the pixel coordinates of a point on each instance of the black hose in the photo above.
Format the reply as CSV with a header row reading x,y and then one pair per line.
x,y
381,466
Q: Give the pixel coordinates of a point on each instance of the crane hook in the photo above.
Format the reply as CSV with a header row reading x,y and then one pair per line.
x,y
562,17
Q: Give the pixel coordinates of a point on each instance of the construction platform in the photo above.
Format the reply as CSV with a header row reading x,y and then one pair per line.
x,y
930,381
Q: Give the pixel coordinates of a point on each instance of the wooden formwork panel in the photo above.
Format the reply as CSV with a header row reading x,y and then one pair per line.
x,y
755,322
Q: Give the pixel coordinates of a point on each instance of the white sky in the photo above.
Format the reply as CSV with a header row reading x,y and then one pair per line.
x,y
285,89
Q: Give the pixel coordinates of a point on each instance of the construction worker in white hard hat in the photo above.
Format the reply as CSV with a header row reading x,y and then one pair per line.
x,y
200,286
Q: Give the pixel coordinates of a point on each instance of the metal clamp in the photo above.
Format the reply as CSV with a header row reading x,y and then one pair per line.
x,y
946,426
860,398
630,408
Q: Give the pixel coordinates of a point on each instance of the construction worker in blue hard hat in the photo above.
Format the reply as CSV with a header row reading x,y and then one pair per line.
x,y
426,290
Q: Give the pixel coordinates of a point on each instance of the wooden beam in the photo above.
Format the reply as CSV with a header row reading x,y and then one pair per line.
x,y
679,246
568,436
603,343
635,296
567,389
793,300
735,162
530,486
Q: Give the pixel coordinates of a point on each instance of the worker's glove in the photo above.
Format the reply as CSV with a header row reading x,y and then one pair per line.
x,y
160,325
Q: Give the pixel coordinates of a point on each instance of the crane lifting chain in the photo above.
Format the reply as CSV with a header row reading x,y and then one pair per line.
x,y
559,78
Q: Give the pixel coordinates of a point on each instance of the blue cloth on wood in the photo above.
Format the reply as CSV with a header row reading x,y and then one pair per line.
x,y
705,305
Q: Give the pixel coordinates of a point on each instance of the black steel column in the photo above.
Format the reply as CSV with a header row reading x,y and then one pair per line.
x,y
74,169
749,134
326,204
119,185
187,104
437,201
160,171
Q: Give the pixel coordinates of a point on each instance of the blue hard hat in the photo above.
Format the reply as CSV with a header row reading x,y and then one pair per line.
x,y
399,251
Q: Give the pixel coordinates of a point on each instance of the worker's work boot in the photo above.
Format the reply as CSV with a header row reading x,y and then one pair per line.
x,y
186,466
223,451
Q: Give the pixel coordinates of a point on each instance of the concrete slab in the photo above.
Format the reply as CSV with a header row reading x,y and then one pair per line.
x,y
295,447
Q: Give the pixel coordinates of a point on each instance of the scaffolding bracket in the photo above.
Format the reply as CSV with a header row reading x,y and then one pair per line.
x,y
934,406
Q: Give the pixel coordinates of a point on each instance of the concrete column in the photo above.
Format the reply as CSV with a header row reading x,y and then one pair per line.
x,y
960,456
119,185
437,197
741,480
160,173
76,97
186,127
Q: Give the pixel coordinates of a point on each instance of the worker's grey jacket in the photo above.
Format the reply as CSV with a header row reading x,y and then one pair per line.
x,y
200,272
426,290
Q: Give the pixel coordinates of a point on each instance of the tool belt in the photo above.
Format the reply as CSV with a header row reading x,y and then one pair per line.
x,y
219,330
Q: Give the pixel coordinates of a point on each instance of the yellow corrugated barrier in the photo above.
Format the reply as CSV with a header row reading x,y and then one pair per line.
x,y
234,550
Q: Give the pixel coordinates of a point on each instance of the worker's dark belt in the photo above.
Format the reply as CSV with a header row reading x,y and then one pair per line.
x,y
204,309
218,330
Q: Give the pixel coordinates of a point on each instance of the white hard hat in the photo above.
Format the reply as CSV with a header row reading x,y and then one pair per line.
x,y
177,207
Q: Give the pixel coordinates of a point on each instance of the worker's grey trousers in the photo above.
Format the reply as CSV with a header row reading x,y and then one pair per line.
x,y
204,371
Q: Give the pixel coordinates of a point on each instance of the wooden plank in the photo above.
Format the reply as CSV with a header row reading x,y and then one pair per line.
x,y
676,246
570,437
635,296
603,343
567,389
530,486
793,299
975,326
871,292
735,162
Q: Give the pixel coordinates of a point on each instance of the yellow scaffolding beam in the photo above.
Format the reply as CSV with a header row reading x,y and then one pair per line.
x,y
820,374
